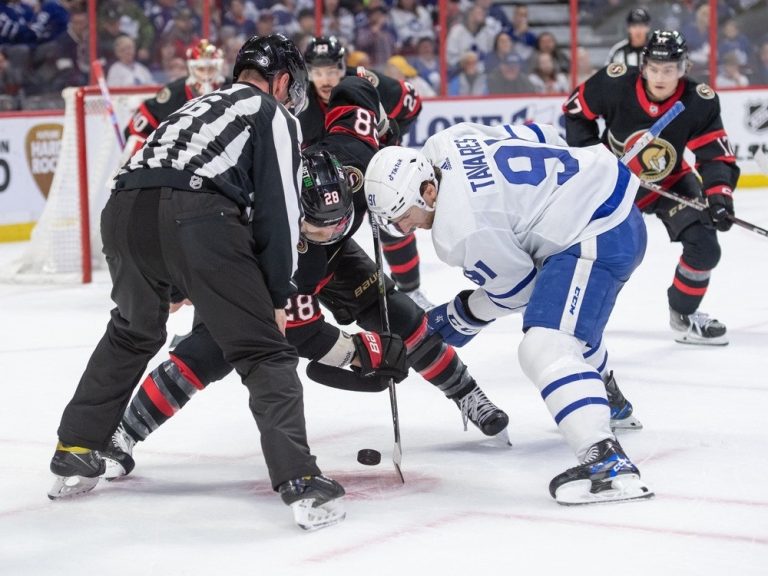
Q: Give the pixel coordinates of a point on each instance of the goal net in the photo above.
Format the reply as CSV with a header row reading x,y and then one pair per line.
x,y
66,242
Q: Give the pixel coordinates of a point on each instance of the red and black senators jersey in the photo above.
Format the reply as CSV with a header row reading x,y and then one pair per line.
x,y
617,94
153,111
400,100
350,136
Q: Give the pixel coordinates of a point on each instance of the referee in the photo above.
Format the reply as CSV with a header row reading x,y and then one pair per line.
x,y
210,205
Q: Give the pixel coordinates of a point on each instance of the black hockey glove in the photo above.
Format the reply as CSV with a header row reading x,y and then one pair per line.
x,y
381,355
720,202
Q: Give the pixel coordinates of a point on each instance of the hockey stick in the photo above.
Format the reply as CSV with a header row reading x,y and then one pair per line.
x,y
397,452
701,206
98,72
652,132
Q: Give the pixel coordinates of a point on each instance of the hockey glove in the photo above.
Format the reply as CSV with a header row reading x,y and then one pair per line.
x,y
720,202
454,322
381,355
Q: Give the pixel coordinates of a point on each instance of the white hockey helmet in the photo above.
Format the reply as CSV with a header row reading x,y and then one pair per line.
x,y
393,182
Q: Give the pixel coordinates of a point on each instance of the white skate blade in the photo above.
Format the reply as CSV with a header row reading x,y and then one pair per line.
x,y
690,338
628,423
623,488
311,518
113,468
501,439
68,486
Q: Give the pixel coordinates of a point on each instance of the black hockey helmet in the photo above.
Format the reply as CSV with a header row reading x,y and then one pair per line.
x,y
638,16
325,51
270,55
325,194
665,46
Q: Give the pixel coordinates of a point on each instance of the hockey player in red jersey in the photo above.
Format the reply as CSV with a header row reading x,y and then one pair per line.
x,y
630,100
204,62
335,272
401,104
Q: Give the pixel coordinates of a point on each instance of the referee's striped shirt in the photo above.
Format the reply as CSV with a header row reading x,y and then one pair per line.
x,y
241,143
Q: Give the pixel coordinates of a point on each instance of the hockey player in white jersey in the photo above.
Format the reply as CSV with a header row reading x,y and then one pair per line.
x,y
544,230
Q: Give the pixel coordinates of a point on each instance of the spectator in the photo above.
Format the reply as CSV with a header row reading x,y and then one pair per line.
x,y
454,14
730,74
470,35
471,80
545,77
174,69
503,45
411,22
306,20
286,21
161,14
358,58
733,41
547,44
584,66
400,69
20,25
339,22
132,22
427,63
265,24
525,40
377,38
495,12
109,31
10,78
629,50
73,64
126,71
760,74
182,32
509,78
237,19
697,38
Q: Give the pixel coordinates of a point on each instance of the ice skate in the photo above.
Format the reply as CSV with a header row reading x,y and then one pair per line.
x,y
621,408
697,328
316,501
489,418
607,475
118,457
420,299
77,470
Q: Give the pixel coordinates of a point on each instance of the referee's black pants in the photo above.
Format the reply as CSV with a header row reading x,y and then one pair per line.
x,y
155,238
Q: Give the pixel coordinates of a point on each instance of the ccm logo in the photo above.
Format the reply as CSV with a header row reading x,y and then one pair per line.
x,y
574,300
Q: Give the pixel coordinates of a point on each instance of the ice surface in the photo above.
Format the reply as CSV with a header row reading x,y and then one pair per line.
x,y
199,501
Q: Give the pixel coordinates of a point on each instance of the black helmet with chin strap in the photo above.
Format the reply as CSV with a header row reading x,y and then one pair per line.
x,y
665,46
270,55
325,194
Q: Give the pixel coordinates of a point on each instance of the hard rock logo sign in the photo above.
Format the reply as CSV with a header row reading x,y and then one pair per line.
x,y
42,146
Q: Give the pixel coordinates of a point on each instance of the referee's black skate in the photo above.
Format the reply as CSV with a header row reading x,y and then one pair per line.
x,y
316,501
697,328
607,475
118,456
621,408
477,408
77,470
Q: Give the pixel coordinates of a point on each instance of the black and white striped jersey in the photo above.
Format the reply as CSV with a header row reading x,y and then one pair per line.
x,y
624,53
241,143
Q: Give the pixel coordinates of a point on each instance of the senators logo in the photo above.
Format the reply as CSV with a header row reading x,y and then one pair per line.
x,y
163,96
705,91
302,246
354,178
654,163
616,70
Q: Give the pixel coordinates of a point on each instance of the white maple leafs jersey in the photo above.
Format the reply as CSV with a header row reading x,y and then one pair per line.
x,y
511,196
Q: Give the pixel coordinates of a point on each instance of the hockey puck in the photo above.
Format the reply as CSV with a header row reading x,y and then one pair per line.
x,y
369,457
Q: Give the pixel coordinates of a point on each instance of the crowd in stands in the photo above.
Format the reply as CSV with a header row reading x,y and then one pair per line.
x,y
490,46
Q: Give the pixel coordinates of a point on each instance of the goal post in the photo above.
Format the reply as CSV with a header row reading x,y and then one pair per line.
x,y
65,246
